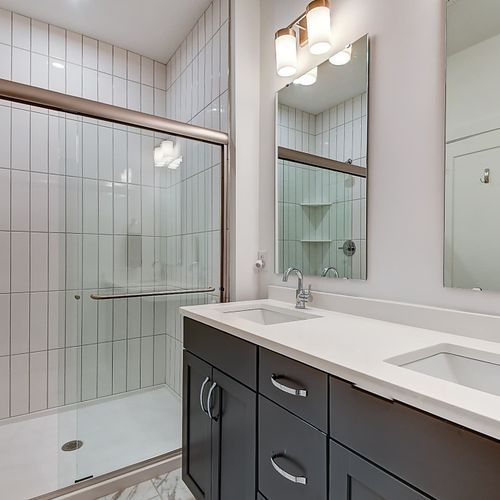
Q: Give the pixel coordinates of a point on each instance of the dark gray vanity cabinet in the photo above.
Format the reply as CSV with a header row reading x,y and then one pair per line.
x,y
353,478
196,428
219,415
259,425
438,458
292,456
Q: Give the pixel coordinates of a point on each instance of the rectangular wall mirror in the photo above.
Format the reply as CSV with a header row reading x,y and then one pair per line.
x,y
321,169
472,219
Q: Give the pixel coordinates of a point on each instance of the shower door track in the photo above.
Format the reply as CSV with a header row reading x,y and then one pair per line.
x,y
35,96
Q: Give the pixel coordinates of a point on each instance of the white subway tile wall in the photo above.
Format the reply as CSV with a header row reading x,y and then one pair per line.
x,y
83,209
319,210
51,57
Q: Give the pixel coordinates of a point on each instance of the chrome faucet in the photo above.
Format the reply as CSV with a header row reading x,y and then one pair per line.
x,y
301,296
327,269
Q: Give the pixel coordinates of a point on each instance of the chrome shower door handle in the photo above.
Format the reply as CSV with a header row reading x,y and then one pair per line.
x,y
285,474
285,388
209,401
202,388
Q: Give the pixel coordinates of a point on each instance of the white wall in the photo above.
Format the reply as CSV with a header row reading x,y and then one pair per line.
x,y
406,148
245,89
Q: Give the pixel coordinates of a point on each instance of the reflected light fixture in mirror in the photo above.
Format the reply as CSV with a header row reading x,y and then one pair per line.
x,y
342,57
312,28
168,154
286,52
318,26
308,78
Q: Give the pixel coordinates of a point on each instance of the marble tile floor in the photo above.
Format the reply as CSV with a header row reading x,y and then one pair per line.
x,y
166,487
116,431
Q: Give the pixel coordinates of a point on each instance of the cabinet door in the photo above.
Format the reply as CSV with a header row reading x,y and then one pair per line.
x,y
352,478
234,436
196,427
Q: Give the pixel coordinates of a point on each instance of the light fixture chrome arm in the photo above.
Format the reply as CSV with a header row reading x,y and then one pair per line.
x,y
301,296
327,269
158,293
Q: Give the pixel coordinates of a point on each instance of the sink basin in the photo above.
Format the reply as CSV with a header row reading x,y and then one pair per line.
x,y
460,365
270,315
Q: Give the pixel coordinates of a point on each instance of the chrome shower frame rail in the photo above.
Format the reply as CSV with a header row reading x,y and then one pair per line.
x,y
35,96
160,293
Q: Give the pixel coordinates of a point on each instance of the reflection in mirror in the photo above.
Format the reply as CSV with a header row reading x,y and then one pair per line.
x,y
472,238
321,169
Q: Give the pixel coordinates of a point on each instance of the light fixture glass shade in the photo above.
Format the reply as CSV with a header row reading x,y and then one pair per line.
x,y
286,52
318,26
308,78
342,57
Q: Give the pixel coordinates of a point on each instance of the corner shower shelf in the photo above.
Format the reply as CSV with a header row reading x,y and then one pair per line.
x,y
316,205
316,241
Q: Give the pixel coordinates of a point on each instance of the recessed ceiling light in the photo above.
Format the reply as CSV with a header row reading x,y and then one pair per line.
x,y
58,65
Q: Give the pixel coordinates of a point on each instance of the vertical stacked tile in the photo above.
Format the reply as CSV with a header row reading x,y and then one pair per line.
x,y
197,93
83,209
320,210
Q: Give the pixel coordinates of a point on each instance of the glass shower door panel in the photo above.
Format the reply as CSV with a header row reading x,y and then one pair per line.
x,y
150,223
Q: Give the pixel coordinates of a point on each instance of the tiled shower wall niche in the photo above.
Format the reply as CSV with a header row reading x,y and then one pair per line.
x,y
318,210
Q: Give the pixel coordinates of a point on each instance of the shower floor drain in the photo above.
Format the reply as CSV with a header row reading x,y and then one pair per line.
x,y
72,445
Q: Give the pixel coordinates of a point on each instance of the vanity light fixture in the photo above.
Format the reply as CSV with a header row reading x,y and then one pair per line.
x,y
342,57
312,28
318,26
308,78
286,52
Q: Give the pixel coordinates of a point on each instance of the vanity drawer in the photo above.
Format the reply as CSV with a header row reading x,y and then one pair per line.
x,y
229,354
299,388
435,456
292,456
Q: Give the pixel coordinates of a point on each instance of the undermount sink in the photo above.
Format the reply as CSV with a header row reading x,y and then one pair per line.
x,y
270,315
468,367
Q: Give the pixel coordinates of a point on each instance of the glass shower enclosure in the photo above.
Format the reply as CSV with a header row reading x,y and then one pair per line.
x,y
116,219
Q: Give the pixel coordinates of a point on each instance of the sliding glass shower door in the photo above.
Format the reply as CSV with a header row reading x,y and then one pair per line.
x,y
111,229
149,243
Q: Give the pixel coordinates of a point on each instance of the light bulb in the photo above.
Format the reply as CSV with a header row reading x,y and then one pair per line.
x,y
318,26
342,57
286,52
308,78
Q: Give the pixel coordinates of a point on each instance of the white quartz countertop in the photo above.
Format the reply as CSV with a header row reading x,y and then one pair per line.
x,y
355,349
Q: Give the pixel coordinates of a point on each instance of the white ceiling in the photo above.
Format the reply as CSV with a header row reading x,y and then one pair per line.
x,y
154,28
335,84
471,22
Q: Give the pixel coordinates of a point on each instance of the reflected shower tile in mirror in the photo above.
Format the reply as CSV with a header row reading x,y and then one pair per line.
x,y
321,169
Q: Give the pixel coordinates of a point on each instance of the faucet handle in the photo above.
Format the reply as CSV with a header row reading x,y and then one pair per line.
x,y
306,294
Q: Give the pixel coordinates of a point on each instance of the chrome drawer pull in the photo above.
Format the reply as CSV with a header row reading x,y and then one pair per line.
x,y
201,394
289,390
285,474
209,401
